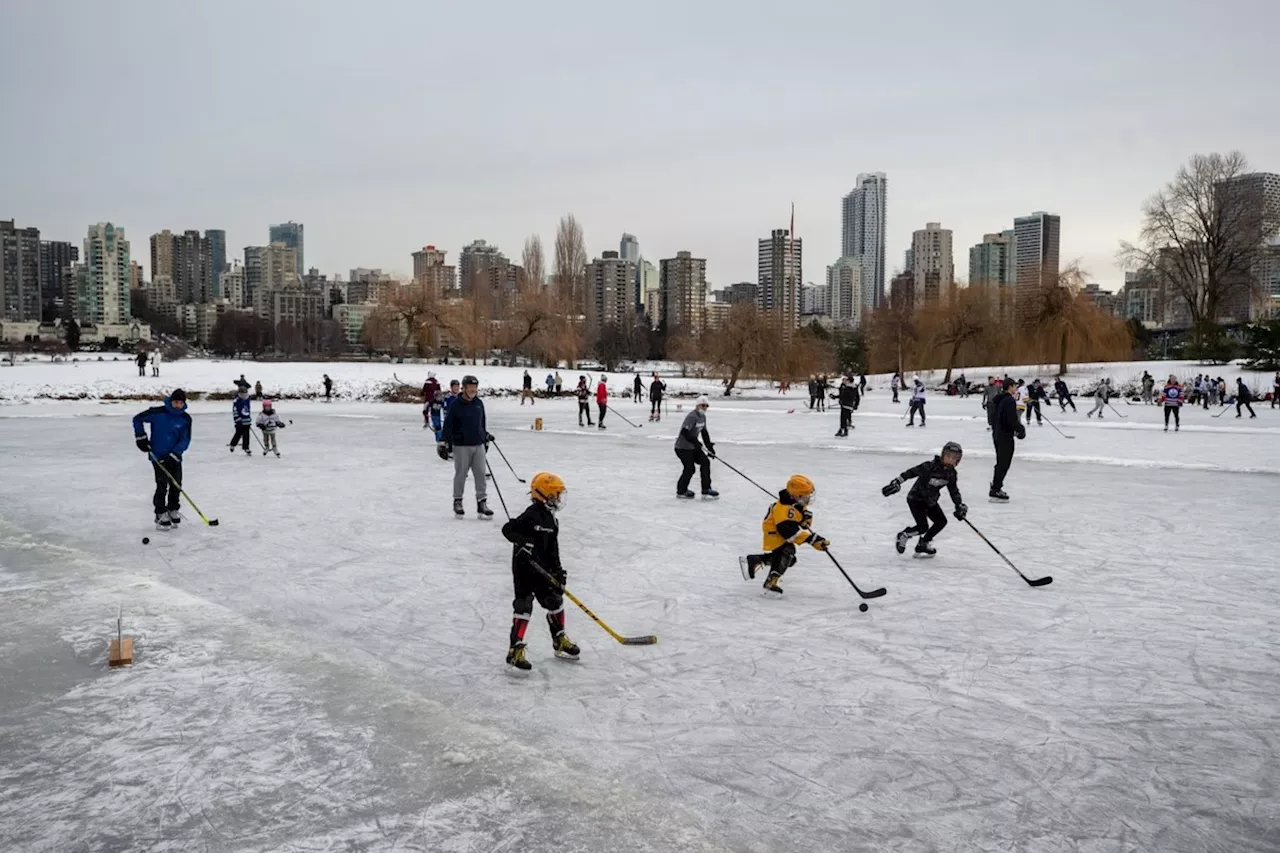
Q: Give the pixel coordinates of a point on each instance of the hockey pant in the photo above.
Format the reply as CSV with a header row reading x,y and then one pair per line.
x,y
1004,458
241,437
930,519
167,494
779,559
1177,417
690,458
530,584
916,406
1034,406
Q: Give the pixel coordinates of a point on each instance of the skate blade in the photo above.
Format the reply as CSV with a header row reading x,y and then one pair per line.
x,y
998,500
771,593
567,657
711,497
516,672
923,556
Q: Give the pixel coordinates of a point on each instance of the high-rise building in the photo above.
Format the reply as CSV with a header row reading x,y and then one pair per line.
x,y
432,273
845,291
815,299
647,282
991,262
56,260
217,241
1251,207
290,234
902,291
932,263
102,287
629,248
742,291
233,288
780,271
185,259
473,262
19,273
137,280
683,289
254,266
1035,258
863,232
609,293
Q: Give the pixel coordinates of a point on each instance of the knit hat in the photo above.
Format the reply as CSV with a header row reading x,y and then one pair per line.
x,y
178,395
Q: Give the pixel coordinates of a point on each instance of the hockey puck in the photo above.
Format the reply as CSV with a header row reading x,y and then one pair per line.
x,y
863,607
146,540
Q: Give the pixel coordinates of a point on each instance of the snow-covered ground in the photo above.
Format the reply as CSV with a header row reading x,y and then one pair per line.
x,y
324,670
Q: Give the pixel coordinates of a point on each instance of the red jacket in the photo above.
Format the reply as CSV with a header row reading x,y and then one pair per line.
x,y
602,394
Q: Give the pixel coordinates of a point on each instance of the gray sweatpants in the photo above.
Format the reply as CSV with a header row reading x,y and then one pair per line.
x,y
468,458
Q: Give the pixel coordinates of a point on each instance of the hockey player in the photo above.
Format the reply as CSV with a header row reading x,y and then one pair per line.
x,y
848,400
455,388
786,525
465,439
534,535
242,417
657,389
602,400
268,421
1243,398
430,389
922,500
170,437
437,407
917,403
637,389
690,452
1005,427
894,384
989,392
1171,399
583,393
1035,394
1100,398
1064,394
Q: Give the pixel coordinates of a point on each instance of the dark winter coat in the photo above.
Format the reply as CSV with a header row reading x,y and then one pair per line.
x,y
656,389
930,479
170,429
464,424
242,384
695,425
536,526
528,382
1006,424
429,389
1242,392
1063,392
1036,393
848,396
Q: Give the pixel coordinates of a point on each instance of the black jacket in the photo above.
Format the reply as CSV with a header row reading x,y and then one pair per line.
x,y
1061,388
930,478
656,389
536,526
848,396
1036,393
1006,424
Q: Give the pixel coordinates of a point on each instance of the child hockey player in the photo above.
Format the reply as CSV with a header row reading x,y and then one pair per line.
x,y
1100,398
437,413
170,437
269,422
786,525
922,500
917,403
242,417
535,536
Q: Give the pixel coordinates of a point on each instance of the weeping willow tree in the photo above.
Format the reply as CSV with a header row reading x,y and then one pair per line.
x,y
1073,328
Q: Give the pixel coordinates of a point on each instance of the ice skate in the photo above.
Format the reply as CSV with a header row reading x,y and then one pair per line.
x,y
175,518
516,658
750,564
903,538
998,496
924,550
565,648
686,494
457,508
772,584
163,522
482,510
710,494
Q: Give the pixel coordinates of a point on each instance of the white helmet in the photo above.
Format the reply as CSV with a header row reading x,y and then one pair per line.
x,y
703,401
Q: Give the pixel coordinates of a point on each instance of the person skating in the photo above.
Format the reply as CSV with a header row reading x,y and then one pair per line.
x,y
535,538
1005,427
1171,399
917,403
989,392
637,390
269,421
437,415
813,392
787,523
466,440
930,478
170,437
690,451
894,384
430,390
455,390
602,400
1100,396
141,360
242,417
526,390
1244,398
862,384
559,385
156,358
847,397
823,387
583,393
551,384
657,390
328,388
1148,388
1064,394
242,384
1035,395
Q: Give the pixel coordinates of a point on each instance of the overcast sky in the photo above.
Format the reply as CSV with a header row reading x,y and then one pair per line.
x,y
384,126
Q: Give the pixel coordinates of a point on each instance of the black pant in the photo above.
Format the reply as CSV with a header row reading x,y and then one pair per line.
x,y
1177,417
1066,401
1241,401
846,415
1004,458
895,395
1034,405
167,496
655,405
531,584
603,407
241,436
930,519
689,458
142,370
1275,397
584,408
916,406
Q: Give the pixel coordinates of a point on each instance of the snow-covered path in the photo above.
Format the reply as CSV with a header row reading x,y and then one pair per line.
x,y
324,670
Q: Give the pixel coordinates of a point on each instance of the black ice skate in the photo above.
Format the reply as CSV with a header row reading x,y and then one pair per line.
x,y
749,565
903,538
482,509
772,584
710,495
457,508
998,496
686,494
163,522
565,648
516,658
924,549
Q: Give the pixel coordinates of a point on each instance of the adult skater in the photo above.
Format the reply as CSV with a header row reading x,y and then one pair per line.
x,y
786,524
637,389
242,418
922,500
657,390
1035,394
1275,390
242,384
1100,396
1243,398
1005,427
526,390
257,389
328,388
269,421
823,386
1064,394
551,384
989,393
813,392
466,439
455,390
156,358
917,403
847,397
862,383
141,360
1148,388
583,393
602,400
559,384
1171,399
690,451
535,537
170,437
894,384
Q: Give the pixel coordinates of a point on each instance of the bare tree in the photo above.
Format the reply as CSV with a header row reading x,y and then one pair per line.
x,y
533,260
1200,238
955,323
532,318
741,343
571,260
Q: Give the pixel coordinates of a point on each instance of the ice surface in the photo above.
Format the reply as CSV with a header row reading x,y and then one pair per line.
x,y
324,671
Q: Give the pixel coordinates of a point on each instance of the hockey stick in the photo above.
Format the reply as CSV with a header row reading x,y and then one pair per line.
x,y
211,522
509,468
1114,409
1225,409
875,593
255,438
627,419
1044,581
1055,426
745,477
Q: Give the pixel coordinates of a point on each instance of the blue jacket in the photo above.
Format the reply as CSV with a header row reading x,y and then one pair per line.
x,y
170,429
464,422
240,410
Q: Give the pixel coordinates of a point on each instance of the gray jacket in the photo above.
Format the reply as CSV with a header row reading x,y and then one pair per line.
x,y
695,424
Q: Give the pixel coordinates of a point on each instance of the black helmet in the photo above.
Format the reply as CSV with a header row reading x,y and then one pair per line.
x,y
953,447
470,380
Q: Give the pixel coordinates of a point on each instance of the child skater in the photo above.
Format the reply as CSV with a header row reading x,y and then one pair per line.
x,y
786,525
922,500
269,422
535,535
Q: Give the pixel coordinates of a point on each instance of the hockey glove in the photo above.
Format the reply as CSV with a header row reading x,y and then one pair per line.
x,y
711,451
895,486
443,450
819,543
144,444
1021,431
962,512
806,519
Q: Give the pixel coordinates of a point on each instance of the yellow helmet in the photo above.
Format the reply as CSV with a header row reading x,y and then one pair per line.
x,y
801,488
547,488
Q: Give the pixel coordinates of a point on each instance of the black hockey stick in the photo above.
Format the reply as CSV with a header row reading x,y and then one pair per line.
x,y
522,480
1055,426
1044,581
745,477
625,418
875,593
1225,408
